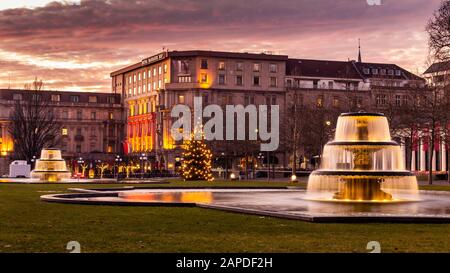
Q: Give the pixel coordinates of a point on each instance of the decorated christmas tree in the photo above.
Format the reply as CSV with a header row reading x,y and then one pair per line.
x,y
196,160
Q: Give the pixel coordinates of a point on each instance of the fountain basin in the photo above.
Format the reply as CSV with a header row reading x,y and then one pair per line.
x,y
434,207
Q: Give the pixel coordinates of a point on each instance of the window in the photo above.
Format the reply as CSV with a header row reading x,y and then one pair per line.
x,y
36,97
375,71
273,68
249,100
183,67
110,115
75,98
391,72
143,75
256,67
17,96
319,101
204,77
79,115
398,100
239,66
93,115
221,65
204,64
159,84
315,84
159,70
256,80
335,101
221,79
239,80
383,72
180,99
65,114
330,85
149,74
78,148
149,87
274,100
398,72
56,97
93,99
139,89
111,100
154,85
273,81
134,90
134,78
154,71
381,99
165,68
366,71
64,131
139,76
183,79
78,132
129,79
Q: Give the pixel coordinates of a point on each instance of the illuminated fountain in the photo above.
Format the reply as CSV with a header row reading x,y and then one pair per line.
x,y
362,164
50,167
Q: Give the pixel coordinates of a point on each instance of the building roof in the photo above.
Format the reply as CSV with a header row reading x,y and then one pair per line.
x,y
404,75
201,53
321,69
438,67
65,96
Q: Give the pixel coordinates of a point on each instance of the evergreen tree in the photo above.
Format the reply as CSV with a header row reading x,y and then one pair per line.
x,y
196,160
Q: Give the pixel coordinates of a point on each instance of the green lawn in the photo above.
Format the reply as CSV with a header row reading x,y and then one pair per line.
x,y
29,225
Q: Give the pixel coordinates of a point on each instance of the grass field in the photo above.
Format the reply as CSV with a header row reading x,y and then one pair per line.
x,y
29,225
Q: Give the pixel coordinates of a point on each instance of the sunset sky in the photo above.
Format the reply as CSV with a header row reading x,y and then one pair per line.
x,y
74,45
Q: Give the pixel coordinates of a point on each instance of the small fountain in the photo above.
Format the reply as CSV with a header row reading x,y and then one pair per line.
x,y
362,164
50,167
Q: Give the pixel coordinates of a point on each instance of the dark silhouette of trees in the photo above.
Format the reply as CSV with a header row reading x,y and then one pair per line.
x,y
33,124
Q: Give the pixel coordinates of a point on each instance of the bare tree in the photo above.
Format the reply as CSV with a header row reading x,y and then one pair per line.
x,y
33,124
438,29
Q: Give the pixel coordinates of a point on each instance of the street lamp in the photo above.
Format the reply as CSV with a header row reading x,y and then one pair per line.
x,y
142,158
33,160
118,160
80,162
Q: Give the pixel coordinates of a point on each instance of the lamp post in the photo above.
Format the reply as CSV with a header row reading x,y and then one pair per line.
x,y
142,159
116,167
80,162
33,161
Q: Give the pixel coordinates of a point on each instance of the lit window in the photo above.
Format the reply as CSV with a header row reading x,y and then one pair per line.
x,y
64,132
159,84
335,102
143,75
134,90
319,101
181,99
129,79
221,65
56,97
154,71
149,87
139,76
165,68
149,74
256,67
93,99
134,77
159,70
139,89
110,115
154,85
204,77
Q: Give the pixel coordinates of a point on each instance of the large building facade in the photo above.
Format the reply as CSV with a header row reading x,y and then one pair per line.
x,y
152,87
91,124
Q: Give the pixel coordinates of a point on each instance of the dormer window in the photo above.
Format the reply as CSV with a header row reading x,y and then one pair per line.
x,y
398,72
391,72
366,71
374,71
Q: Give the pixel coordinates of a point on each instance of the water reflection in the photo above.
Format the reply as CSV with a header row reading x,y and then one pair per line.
x,y
169,197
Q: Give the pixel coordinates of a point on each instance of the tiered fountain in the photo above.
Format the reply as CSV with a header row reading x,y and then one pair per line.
x,y
362,164
50,167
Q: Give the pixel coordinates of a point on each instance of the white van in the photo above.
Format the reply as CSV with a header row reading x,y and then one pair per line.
x,y
19,169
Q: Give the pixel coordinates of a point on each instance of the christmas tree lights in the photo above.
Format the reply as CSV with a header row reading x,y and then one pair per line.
x,y
196,160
